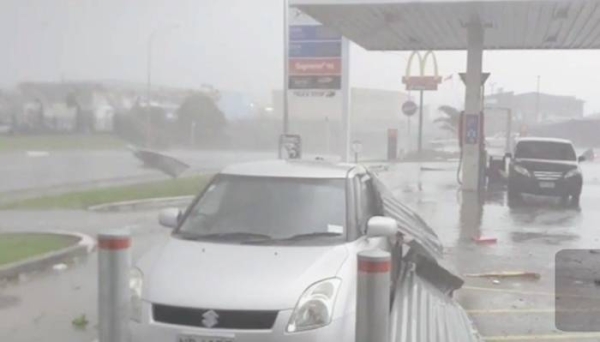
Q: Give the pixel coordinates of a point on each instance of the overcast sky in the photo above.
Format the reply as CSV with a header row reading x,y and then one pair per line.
x,y
232,44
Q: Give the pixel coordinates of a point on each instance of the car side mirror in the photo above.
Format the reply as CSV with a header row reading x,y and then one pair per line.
x,y
581,159
380,226
169,217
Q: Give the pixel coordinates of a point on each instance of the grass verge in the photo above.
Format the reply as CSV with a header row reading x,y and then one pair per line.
x,y
14,143
85,199
16,247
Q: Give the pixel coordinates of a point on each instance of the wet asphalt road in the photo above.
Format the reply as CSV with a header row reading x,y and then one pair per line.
x,y
41,307
528,237
24,171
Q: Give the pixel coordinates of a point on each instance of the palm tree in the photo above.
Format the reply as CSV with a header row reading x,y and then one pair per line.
x,y
450,120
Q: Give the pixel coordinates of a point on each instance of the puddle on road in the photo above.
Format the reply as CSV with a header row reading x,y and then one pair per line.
x,y
551,239
545,216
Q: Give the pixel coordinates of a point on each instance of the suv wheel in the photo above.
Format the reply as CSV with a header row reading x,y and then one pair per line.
x,y
514,196
575,199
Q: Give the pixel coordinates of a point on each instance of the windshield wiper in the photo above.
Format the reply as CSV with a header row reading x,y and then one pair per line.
x,y
311,235
226,236
298,237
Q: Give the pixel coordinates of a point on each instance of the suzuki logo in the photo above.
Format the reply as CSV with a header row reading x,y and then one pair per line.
x,y
211,319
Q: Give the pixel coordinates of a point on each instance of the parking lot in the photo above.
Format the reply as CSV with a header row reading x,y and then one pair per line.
x,y
523,239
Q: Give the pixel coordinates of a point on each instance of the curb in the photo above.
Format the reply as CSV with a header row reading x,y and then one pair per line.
x,y
144,203
84,246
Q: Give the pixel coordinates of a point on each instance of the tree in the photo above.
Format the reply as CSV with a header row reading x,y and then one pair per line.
x,y
451,119
199,113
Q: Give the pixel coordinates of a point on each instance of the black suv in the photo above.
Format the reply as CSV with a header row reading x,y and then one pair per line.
x,y
543,166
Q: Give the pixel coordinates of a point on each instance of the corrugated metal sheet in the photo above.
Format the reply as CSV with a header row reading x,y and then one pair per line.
x,y
409,222
421,312
440,25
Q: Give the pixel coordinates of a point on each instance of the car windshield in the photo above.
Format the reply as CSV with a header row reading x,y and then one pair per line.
x,y
547,150
252,209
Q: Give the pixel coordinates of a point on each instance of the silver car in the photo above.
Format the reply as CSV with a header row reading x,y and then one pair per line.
x,y
267,252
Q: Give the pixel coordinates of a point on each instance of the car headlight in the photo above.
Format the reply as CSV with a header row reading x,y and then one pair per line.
x,y
315,307
572,173
136,281
521,170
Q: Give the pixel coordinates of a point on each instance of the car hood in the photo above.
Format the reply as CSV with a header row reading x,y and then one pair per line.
x,y
236,277
546,165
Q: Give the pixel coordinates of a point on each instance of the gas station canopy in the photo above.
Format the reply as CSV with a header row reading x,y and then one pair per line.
x,y
440,24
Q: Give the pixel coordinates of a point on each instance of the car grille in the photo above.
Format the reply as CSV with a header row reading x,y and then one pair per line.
x,y
547,175
224,319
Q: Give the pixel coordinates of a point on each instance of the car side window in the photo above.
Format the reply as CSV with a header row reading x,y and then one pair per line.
x,y
367,202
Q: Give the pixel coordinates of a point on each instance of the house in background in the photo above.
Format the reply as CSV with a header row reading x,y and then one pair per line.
x,y
64,107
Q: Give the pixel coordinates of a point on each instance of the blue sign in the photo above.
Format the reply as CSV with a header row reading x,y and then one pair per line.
x,y
471,129
313,33
315,49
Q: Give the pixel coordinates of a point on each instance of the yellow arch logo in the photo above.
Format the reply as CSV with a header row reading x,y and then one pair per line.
x,y
422,82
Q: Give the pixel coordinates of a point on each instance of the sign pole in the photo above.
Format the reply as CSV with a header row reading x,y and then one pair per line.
x,y
420,146
409,122
409,108
346,120
286,43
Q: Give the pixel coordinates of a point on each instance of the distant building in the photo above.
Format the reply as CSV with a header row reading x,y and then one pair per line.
x,y
317,119
72,106
530,108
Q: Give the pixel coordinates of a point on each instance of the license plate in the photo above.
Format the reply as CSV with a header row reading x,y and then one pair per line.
x,y
196,338
547,185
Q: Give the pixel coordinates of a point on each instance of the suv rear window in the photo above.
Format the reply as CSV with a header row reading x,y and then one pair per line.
x,y
548,150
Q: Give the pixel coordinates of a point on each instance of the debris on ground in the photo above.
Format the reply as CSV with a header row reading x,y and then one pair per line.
x,y
80,322
496,282
59,267
485,240
525,275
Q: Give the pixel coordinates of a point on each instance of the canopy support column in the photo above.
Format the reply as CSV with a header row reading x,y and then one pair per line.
x,y
472,128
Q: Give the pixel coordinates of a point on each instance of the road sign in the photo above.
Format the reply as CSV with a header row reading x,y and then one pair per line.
x,y
409,108
315,49
312,32
315,82
328,93
316,66
290,146
315,58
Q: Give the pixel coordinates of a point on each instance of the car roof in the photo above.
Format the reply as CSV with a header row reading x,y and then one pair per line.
x,y
542,139
292,169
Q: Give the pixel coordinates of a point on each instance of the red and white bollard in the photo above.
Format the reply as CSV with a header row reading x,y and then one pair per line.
x,y
373,296
114,263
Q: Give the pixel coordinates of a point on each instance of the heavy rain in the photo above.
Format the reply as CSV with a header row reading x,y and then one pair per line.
x,y
299,170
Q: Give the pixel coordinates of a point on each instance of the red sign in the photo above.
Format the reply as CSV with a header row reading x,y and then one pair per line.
x,y
422,82
329,66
